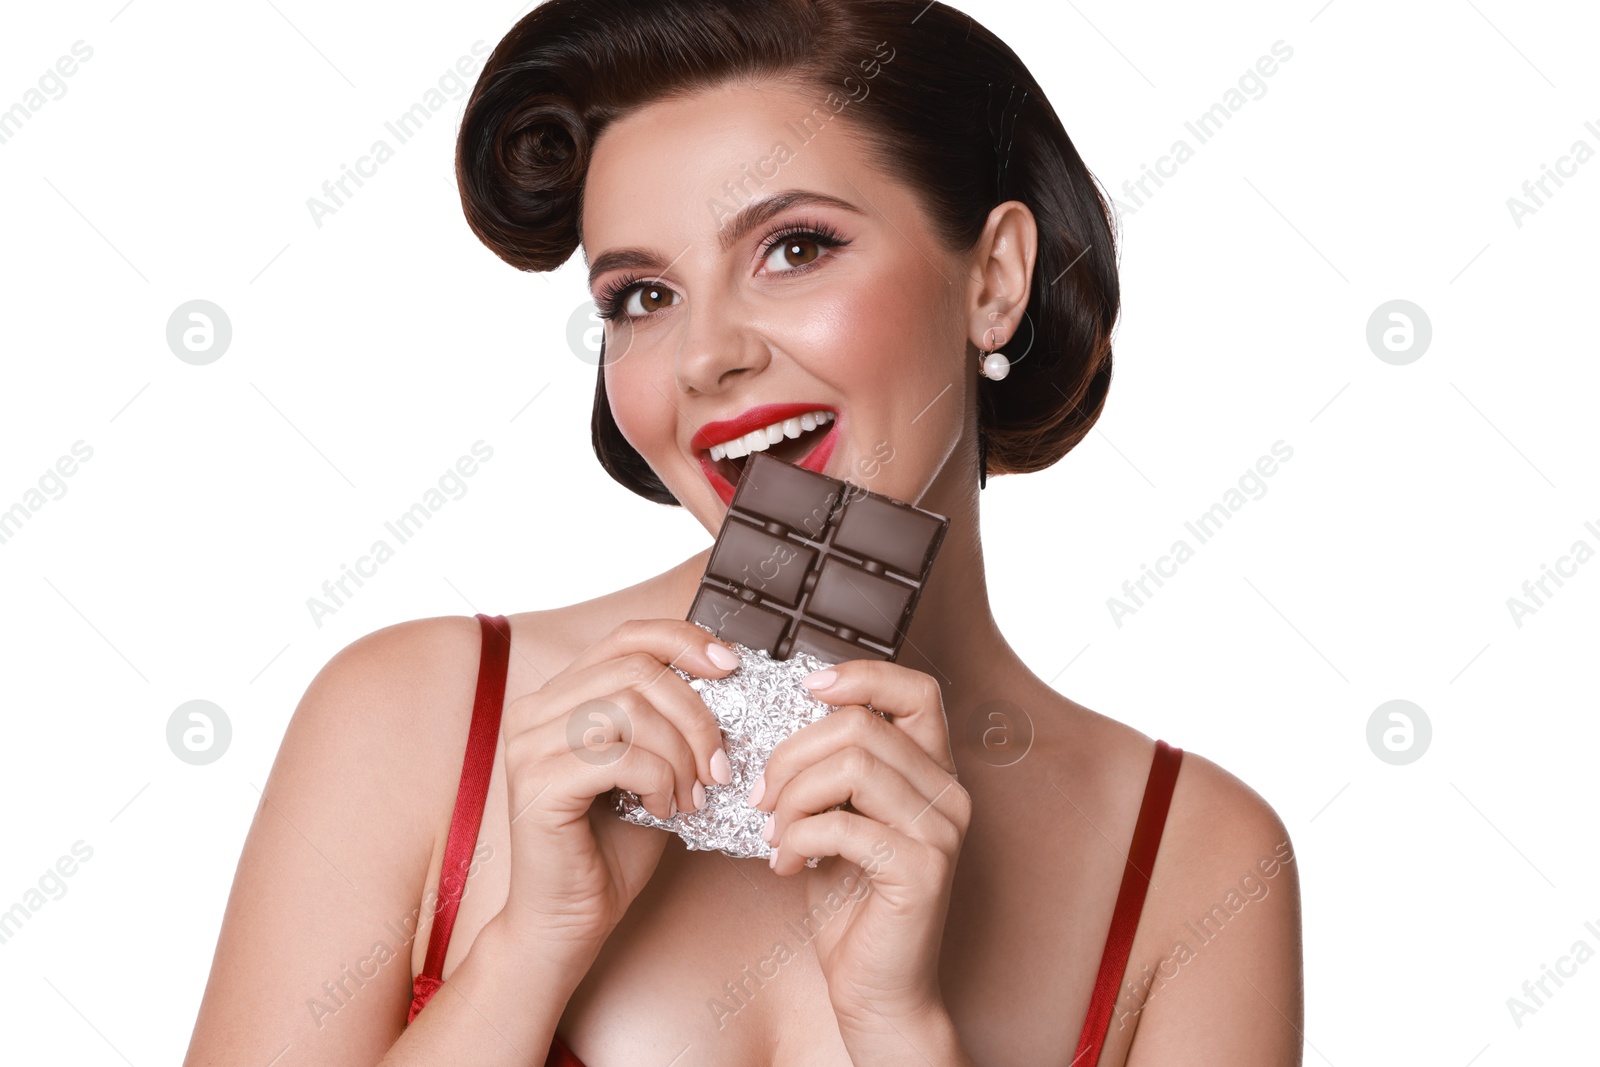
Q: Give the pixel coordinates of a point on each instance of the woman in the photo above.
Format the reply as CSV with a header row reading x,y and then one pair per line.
x,y
851,206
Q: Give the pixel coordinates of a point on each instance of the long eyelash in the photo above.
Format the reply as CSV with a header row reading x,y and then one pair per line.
x,y
826,236
609,301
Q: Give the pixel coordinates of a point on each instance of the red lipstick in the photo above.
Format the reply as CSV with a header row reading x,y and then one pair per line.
x,y
723,431
718,433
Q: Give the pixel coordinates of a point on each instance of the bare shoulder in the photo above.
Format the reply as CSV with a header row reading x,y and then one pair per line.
x,y
1214,973
1217,822
397,703
340,842
1220,934
1225,855
397,676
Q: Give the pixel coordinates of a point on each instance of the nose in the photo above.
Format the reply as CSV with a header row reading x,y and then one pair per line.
x,y
717,349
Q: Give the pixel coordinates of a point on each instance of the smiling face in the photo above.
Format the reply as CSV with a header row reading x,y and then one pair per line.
x,y
834,295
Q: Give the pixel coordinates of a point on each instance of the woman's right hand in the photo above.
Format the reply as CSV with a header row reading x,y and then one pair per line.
x,y
616,716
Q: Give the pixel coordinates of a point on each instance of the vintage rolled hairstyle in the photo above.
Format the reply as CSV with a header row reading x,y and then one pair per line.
x,y
954,114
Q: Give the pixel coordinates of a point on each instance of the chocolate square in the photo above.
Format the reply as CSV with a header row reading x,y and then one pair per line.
x,y
808,563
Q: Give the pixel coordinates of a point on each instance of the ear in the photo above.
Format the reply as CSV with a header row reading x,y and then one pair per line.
x,y
1000,275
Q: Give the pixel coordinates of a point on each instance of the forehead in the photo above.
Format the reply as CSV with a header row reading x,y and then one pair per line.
x,y
677,168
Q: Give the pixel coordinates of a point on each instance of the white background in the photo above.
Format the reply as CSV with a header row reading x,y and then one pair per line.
x,y
372,351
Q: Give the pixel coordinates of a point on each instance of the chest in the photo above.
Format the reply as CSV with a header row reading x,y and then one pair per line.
x,y
715,961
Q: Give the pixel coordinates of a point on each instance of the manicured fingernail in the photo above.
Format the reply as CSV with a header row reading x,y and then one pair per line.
x,y
720,769
757,790
672,807
766,828
699,796
772,860
722,656
819,679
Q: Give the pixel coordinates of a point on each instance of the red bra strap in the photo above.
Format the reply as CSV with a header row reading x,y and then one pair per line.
x,y
1130,900
476,768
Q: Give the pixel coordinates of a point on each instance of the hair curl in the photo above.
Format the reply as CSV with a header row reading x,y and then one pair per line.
x,y
954,114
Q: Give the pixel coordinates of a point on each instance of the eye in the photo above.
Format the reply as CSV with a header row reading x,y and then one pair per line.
x,y
631,298
794,251
647,299
799,246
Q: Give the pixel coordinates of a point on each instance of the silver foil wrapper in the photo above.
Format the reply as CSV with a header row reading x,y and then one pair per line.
x,y
757,705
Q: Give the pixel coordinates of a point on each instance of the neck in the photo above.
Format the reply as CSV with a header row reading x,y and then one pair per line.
x,y
953,636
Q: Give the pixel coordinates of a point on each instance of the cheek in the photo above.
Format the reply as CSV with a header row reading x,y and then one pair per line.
x,y
636,405
902,336
891,344
879,332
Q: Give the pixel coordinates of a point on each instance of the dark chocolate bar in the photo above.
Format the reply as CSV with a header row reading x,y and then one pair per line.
x,y
808,563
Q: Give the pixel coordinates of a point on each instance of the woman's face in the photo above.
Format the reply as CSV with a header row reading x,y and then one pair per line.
x,y
841,301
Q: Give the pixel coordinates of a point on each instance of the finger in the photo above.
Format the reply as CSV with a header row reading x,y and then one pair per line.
x,y
597,731
874,789
912,698
643,674
561,790
851,726
890,859
670,641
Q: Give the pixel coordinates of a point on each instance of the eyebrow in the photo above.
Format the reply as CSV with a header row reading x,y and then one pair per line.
x,y
749,217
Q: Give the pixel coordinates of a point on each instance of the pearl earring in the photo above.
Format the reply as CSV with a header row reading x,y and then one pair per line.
x,y
995,366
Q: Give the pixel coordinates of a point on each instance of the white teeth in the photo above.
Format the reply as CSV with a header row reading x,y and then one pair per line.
x,y
762,439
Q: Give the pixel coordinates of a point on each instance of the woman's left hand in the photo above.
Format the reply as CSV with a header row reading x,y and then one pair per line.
x,y
897,848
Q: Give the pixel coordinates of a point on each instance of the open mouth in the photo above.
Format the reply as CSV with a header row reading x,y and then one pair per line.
x,y
791,440
802,435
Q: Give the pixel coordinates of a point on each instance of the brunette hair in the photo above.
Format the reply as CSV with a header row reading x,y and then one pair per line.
x,y
952,112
